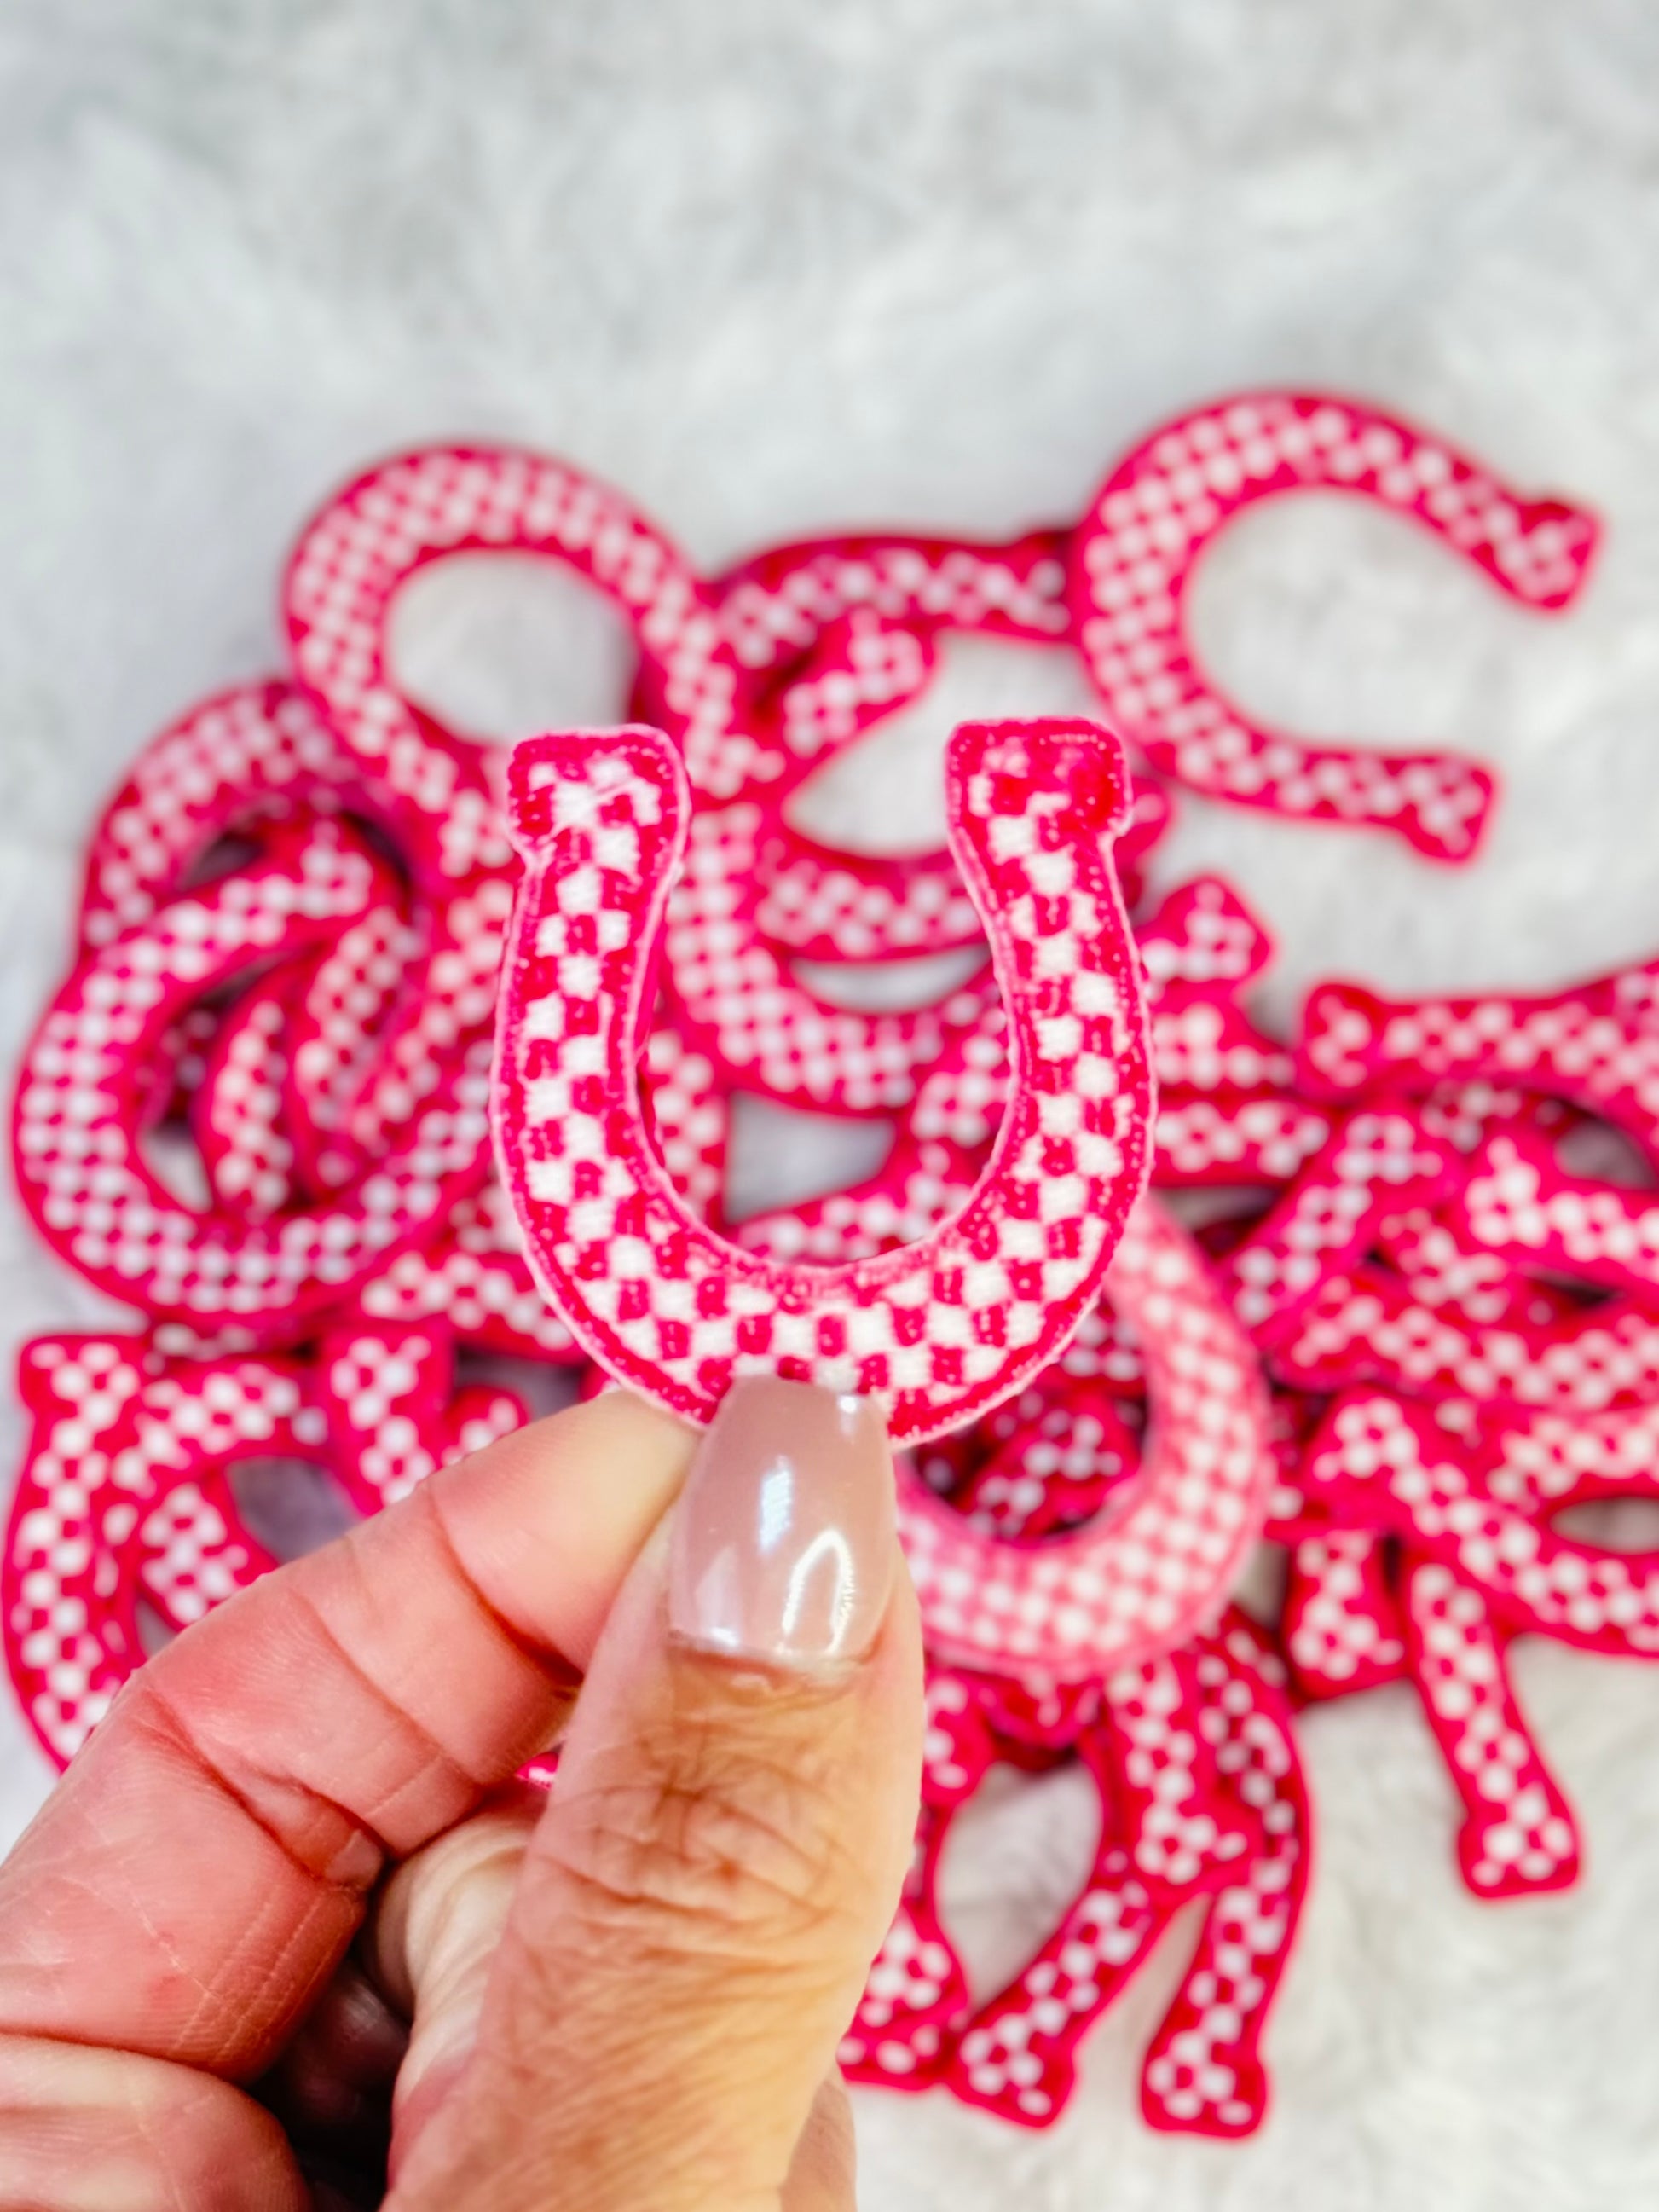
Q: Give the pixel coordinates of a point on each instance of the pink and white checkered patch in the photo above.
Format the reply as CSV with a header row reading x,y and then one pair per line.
x,y
775,608
1377,1163
1595,1046
820,903
1135,553
1379,1462
1519,1205
1371,1327
938,1331
242,759
81,1172
1141,1580
122,1493
1202,1797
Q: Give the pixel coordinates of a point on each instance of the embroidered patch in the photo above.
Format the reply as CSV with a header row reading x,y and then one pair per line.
x,y
939,1330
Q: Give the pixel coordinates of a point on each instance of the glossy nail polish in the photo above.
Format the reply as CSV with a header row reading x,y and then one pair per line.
x,y
783,1539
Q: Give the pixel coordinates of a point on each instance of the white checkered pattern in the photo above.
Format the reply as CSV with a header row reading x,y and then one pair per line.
x,y
394,1415
1147,1579
1239,1836
122,1489
243,757
238,1113
1204,935
1446,1269
1075,1457
1227,1137
440,790
335,1033
1135,553
353,559
1204,2069
473,1273
1518,1834
1202,1040
1520,1207
919,1185
114,1427
774,609
818,903
1380,1462
80,1169
1377,1163
1581,1045
192,1553
1371,1327
1341,1625
740,1004
938,1331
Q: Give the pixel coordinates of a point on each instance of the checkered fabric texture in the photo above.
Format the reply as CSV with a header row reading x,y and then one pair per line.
x,y
822,905
81,1171
250,754
938,1331
1201,1798
1518,1205
1587,1046
295,915
122,1491
1134,557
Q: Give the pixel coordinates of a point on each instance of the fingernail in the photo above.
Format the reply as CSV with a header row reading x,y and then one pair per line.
x,y
784,1534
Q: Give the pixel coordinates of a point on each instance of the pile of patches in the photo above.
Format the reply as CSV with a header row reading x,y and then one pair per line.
x,y
1413,1339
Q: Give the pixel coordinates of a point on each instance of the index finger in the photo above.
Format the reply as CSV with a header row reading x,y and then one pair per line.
x,y
202,1867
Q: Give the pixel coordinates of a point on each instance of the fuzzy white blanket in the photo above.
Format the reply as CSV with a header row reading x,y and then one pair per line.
x,y
775,269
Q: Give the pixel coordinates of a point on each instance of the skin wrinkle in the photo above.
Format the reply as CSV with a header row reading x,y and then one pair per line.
x,y
210,1996
299,2000
652,2133
185,2123
211,1766
66,1879
176,2200
694,1824
722,1795
550,1664
438,1757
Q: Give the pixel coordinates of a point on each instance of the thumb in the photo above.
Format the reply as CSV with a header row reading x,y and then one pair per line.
x,y
723,1849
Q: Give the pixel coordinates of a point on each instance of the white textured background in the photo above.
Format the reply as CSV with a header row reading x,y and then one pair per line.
x,y
777,268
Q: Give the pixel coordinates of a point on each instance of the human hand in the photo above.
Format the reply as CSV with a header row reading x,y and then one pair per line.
x,y
290,1878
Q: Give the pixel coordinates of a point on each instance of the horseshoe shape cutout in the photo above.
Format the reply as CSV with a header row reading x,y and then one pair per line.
x,y
775,608
430,504
1133,1584
1202,1798
938,1331
1135,553
82,1091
